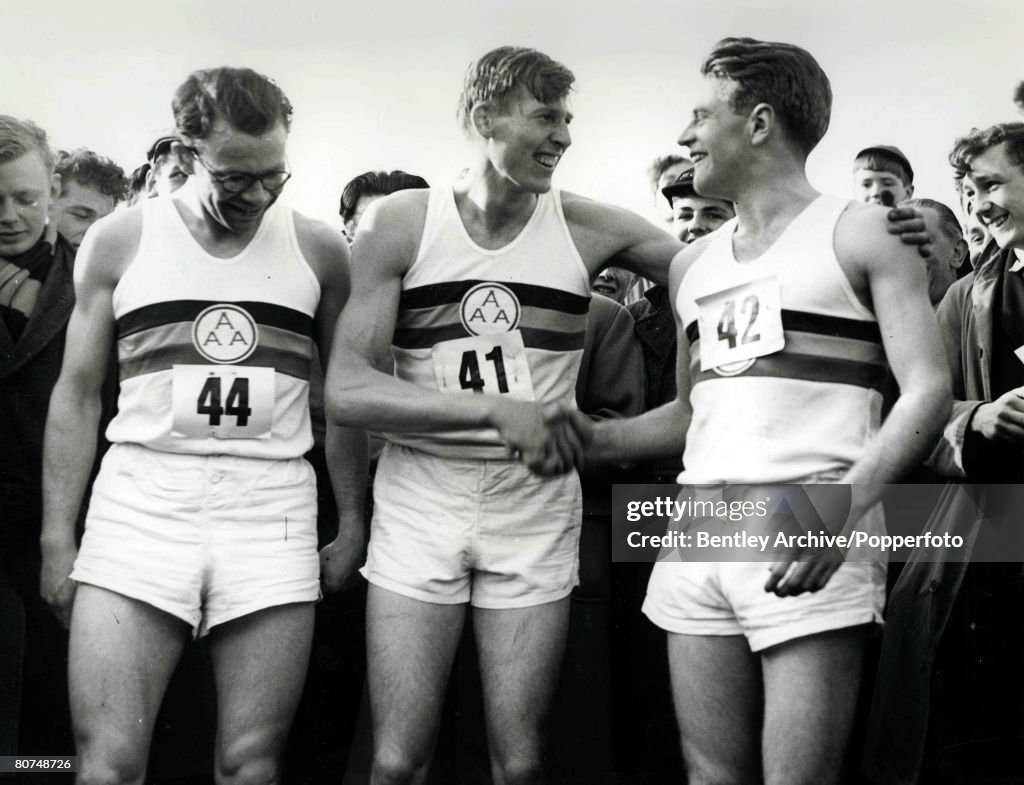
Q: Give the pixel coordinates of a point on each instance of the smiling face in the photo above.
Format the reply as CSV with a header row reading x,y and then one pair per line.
x,y
998,195
695,216
226,151
613,282
525,144
717,140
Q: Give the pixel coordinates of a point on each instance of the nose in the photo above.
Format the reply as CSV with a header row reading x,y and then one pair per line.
x,y
606,275
8,214
257,194
561,135
687,137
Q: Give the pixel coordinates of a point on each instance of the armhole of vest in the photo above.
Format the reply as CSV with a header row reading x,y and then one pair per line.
x,y
149,209
293,241
437,200
836,210
556,198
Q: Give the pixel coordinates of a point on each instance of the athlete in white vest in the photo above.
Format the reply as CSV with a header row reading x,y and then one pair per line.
x,y
203,517
786,319
480,292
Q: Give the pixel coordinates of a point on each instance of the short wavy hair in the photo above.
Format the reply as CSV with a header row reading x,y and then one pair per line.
x,y
248,101
497,75
91,170
376,183
966,148
784,76
18,137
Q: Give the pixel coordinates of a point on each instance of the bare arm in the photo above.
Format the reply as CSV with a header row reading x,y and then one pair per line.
x,y
608,235
358,394
661,431
69,447
346,448
894,278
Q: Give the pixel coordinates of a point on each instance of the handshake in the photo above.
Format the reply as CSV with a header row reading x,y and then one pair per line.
x,y
550,439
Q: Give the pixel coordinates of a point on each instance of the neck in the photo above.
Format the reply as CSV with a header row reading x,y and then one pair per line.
x,y
492,202
773,194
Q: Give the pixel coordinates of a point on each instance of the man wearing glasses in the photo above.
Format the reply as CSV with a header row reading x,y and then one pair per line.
x,y
203,516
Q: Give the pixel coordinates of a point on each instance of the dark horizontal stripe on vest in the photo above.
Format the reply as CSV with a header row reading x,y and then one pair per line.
x,y
819,324
435,294
808,368
173,311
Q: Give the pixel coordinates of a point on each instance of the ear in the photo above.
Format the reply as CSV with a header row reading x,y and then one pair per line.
x,y
482,117
910,191
55,182
961,253
761,123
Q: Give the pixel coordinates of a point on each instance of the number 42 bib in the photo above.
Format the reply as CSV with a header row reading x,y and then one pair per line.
x,y
740,323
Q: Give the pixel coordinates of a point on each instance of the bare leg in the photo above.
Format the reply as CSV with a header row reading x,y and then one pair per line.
x,y
259,665
811,686
410,645
521,654
716,687
122,654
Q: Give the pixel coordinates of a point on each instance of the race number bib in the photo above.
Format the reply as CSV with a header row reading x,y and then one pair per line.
x,y
222,402
491,364
741,323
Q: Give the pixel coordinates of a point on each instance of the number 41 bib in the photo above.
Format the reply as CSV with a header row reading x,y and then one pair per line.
x,y
740,323
493,364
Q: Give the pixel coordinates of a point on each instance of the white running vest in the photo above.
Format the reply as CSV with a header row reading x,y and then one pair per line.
x,y
473,321
786,364
215,354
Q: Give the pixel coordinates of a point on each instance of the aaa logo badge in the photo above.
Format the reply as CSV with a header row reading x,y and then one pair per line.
x,y
225,334
490,308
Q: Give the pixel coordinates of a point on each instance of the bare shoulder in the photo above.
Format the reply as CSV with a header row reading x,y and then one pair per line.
x,y
391,229
324,248
683,261
862,236
109,247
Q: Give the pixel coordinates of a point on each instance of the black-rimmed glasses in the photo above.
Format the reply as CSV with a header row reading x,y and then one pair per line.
x,y
237,182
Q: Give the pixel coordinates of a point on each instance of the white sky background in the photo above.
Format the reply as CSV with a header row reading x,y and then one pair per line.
x,y
375,85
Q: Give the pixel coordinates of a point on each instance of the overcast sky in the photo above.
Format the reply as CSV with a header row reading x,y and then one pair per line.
x,y
375,85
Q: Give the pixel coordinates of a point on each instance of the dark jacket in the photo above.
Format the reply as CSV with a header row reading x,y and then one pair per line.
x,y
28,372
922,600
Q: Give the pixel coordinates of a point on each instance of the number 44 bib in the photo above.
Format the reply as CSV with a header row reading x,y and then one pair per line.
x,y
739,324
223,402
493,364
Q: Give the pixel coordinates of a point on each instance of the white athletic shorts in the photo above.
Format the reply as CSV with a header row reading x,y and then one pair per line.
x,y
728,598
487,532
207,539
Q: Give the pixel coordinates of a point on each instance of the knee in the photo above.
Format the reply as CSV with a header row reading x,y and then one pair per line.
x,y
111,763
518,771
718,775
394,767
249,761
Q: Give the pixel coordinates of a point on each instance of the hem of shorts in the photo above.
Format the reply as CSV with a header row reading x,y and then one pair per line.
x,y
435,599
791,632
712,629
112,586
310,597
